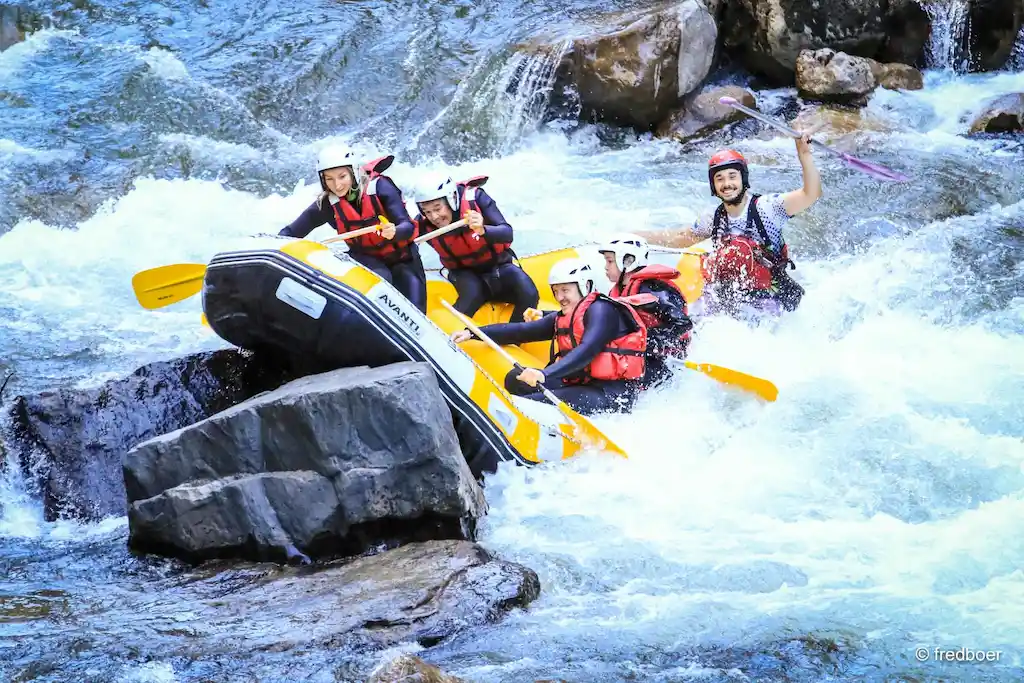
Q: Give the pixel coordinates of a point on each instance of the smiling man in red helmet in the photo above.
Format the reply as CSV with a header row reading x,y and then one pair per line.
x,y
750,256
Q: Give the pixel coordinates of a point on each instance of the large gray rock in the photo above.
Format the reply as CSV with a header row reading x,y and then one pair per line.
x,y
830,76
768,35
1003,114
17,21
992,30
704,113
637,65
409,669
326,465
70,442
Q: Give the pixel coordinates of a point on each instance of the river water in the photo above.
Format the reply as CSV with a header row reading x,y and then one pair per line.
x,y
874,509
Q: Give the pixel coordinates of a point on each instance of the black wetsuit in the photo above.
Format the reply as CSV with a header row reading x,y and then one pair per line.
x,y
406,274
502,280
603,323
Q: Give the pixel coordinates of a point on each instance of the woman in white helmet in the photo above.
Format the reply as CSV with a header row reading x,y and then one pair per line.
x,y
597,345
668,324
478,257
351,200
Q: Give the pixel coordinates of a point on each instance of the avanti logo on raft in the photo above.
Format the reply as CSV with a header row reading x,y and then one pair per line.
x,y
961,654
393,306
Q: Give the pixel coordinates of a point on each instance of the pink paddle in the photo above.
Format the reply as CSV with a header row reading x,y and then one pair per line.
x,y
876,171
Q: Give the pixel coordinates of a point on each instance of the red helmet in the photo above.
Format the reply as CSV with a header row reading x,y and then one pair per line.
x,y
724,159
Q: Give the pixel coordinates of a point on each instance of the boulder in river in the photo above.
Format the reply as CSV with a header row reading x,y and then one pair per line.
x,y
16,21
326,465
409,669
70,442
768,35
829,76
637,65
993,28
1003,114
703,113
420,593
895,76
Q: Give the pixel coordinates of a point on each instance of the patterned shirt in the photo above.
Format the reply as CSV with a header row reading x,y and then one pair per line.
x,y
773,215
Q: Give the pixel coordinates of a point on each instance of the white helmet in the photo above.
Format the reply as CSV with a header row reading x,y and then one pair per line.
x,y
627,244
335,157
573,270
437,185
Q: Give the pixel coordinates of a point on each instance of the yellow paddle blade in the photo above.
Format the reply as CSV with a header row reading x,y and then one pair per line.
x,y
757,385
203,320
163,286
587,433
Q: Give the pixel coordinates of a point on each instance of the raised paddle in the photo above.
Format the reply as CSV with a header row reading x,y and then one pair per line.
x,y
874,170
585,429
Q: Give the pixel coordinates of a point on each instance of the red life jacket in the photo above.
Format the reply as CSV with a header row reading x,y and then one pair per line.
x,y
655,271
750,263
349,218
463,248
623,358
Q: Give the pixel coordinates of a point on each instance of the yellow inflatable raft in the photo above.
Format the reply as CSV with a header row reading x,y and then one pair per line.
x,y
323,310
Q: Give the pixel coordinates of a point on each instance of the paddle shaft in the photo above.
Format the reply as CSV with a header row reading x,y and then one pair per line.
x,y
490,342
876,171
779,125
350,235
587,432
440,231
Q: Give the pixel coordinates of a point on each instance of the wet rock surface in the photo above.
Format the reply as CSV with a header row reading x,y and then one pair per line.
x,y
326,465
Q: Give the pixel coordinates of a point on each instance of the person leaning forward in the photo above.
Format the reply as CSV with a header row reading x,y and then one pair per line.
x,y
597,345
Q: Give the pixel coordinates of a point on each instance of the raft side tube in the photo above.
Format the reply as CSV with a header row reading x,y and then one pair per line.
x,y
325,311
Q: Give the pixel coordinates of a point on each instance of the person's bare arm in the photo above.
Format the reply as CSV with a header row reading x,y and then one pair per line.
x,y
682,238
800,200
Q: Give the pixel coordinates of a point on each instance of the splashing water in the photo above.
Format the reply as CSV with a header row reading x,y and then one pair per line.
x,y
528,80
950,26
1016,60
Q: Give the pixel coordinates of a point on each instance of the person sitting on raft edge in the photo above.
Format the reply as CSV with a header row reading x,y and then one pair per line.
x,y
597,345
750,256
666,317
478,256
350,203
